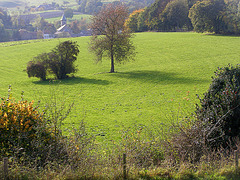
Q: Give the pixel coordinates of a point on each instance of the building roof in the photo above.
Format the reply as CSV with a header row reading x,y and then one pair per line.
x,y
63,18
62,28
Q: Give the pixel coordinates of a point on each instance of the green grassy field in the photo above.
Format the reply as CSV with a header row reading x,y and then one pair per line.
x,y
75,17
170,68
22,3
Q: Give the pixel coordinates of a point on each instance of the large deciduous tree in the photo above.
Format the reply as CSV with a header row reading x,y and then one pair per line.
x,y
175,15
68,13
231,17
111,37
207,16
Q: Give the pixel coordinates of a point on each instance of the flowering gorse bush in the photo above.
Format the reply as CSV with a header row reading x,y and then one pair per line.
x,y
24,133
18,123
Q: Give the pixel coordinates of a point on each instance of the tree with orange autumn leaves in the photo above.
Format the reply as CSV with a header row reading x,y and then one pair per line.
x,y
132,21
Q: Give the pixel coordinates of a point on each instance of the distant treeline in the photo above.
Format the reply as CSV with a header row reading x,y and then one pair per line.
x,y
94,6
5,22
218,16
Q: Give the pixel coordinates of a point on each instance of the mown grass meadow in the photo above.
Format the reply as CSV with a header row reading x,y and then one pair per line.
x,y
159,87
75,17
23,3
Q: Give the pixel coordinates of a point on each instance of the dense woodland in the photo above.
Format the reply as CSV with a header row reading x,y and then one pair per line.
x,y
94,6
216,16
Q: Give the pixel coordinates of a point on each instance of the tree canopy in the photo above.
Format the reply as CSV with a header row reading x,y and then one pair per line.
x,y
68,13
175,15
206,15
94,6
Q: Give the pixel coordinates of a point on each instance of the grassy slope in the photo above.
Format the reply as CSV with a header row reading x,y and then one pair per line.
x,y
168,67
75,17
13,5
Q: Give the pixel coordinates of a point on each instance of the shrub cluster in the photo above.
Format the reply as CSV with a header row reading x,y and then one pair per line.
x,y
58,62
215,123
219,109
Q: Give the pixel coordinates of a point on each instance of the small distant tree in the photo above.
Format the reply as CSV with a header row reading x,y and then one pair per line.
x,y
36,69
110,37
60,62
42,25
74,27
68,13
4,36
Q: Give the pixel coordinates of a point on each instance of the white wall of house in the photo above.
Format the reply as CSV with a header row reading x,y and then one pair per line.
x,y
47,36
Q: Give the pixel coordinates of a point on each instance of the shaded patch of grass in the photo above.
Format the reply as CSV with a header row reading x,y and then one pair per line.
x,y
72,81
158,77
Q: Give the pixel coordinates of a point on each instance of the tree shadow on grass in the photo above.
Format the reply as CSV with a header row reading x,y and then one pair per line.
x,y
221,35
159,77
72,81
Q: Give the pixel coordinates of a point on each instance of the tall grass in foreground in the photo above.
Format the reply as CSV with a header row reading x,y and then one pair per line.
x,y
145,160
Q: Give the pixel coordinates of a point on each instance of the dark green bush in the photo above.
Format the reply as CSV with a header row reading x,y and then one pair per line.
x,y
61,59
59,62
219,109
36,69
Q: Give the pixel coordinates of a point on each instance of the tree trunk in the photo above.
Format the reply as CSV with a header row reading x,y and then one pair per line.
x,y
112,63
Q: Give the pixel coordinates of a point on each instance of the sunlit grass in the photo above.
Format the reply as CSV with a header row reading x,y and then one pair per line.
x,y
170,68
15,5
75,17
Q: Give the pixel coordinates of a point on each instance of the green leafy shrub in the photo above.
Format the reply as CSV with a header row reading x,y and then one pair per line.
x,y
215,123
36,69
219,109
61,59
59,62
